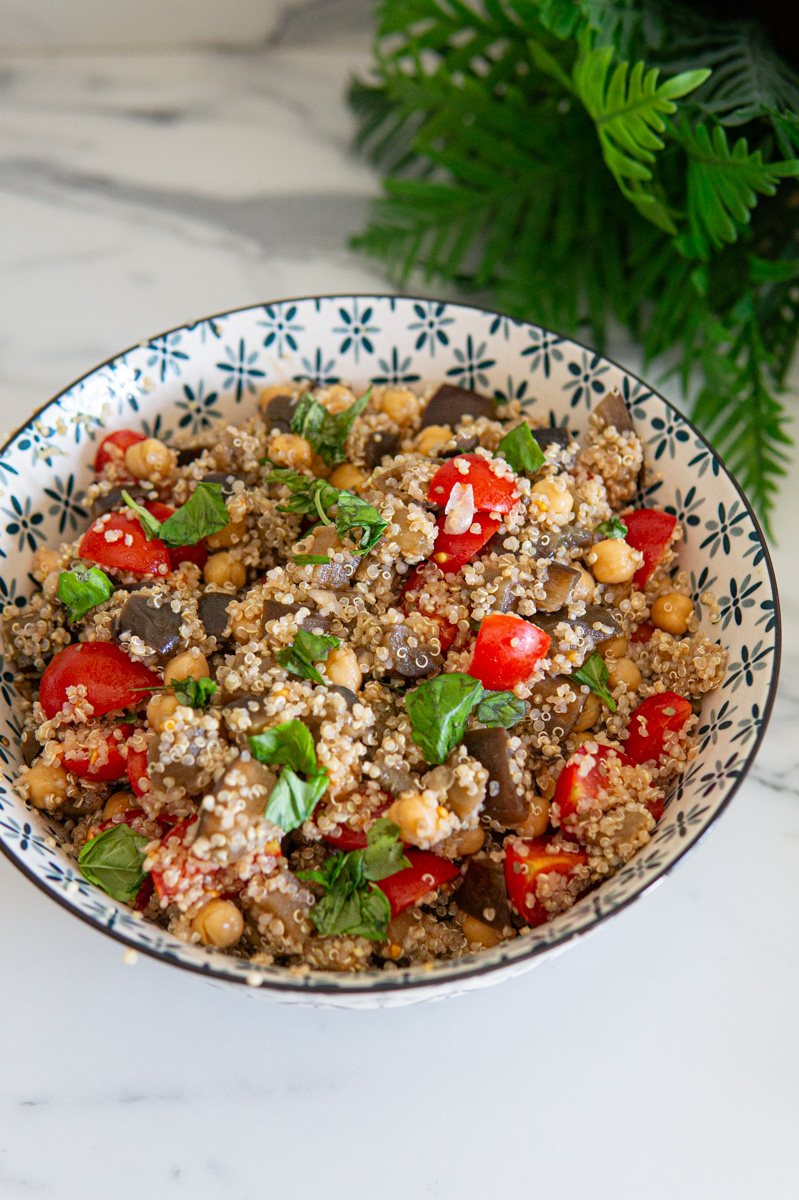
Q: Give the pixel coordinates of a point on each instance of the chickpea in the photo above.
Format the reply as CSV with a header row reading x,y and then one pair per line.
x,y
342,667
219,923
465,841
234,531
348,477
189,664
624,670
558,499
672,613
613,561
433,435
400,404
160,708
589,716
118,803
584,587
149,459
338,399
290,450
46,785
224,568
478,932
615,647
536,822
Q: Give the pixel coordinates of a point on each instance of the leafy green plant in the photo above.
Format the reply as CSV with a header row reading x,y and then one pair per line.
x,y
580,161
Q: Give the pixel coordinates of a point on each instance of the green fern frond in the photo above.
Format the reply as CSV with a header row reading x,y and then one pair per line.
x,y
629,108
722,187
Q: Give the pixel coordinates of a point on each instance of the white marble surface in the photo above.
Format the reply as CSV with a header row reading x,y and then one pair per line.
x,y
657,1059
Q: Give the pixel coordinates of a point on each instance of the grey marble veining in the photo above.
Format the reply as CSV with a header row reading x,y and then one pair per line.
x,y
138,191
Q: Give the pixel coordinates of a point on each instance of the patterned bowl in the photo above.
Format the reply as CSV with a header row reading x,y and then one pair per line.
x,y
184,379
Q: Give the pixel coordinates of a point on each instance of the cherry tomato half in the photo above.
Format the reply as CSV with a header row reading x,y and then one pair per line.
x,y
137,771
642,632
649,531
651,721
492,492
582,779
452,550
112,448
426,873
526,859
109,676
128,549
507,651
80,762
345,838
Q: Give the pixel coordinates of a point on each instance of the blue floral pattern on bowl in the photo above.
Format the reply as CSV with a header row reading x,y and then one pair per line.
x,y
183,379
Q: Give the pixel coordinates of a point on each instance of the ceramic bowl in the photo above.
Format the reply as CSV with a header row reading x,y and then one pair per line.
x,y
180,381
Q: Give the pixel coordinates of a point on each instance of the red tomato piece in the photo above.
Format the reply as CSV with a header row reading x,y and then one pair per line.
x,y
137,771
112,448
177,554
426,873
507,651
130,551
413,590
650,532
652,720
114,767
582,779
492,492
452,550
144,893
642,632
525,861
345,838
111,678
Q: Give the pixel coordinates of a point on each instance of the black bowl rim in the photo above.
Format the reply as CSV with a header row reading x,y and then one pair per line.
x,y
440,979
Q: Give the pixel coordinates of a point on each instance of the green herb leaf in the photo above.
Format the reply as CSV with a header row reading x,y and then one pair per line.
x,y
194,692
615,528
439,709
384,854
290,743
594,674
522,451
113,861
353,513
310,497
326,432
304,651
204,513
82,590
150,524
353,904
500,708
292,800
311,560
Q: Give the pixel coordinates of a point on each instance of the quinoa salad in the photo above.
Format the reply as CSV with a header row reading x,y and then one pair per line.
x,y
367,681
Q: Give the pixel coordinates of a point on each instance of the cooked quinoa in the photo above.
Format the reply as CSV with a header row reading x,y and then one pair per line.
x,y
364,682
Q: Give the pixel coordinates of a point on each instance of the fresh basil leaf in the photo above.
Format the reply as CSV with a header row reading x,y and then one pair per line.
x,y
150,524
113,861
594,674
290,744
500,708
309,560
522,451
292,800
354,513
615,528
310,497
352,903
384,854
439,709
325,431
194,692
82,590
304,651
204,513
